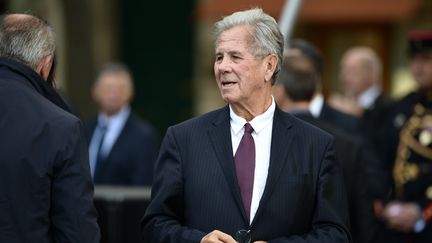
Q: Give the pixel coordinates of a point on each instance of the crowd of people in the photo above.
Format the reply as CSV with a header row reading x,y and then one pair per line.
x,y
279,163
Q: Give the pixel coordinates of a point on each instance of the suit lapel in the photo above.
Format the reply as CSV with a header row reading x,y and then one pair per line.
x,y
122,135
115,147
220,136
280,144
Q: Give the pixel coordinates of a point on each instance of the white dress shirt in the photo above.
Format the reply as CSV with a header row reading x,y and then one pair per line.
x,y
262,134
367,99
316,105
114,125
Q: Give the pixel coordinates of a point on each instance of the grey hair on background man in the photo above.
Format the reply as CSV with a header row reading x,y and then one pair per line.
x,y
26,39
266,40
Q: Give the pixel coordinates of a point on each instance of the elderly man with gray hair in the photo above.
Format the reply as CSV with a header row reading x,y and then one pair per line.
x,y
247,172
46,193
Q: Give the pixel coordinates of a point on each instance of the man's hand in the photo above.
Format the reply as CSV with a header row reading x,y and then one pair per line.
x,y
217,236
401,216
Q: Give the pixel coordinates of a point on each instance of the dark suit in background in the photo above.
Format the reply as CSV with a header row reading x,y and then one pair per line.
x,y
343,121
373,122
130,161
352,157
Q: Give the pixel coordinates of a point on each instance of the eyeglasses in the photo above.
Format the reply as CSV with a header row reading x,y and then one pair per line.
x,y
243,236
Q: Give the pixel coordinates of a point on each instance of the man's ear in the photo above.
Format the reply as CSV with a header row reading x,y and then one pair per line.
x,y
271,63
44,67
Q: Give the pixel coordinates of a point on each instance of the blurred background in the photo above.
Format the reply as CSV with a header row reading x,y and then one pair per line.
x,y
169,46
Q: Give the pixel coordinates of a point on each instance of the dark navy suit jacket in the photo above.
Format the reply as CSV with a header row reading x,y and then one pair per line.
x,y
46,193
131,159
195,190
344,121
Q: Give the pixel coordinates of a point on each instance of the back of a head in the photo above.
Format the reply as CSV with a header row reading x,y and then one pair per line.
x,y
300,85
25,38
267,38
309,51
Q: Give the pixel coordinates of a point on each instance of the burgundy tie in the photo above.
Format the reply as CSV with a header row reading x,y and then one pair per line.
x,y
245,167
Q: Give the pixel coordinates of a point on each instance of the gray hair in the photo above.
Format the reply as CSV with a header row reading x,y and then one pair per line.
x,y
266,39
26,38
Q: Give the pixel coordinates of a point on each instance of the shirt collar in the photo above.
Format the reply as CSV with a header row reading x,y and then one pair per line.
x,y
316,105
119,117
258,123
368,97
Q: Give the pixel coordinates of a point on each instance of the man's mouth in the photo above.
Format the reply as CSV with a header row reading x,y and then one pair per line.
x,y
227,83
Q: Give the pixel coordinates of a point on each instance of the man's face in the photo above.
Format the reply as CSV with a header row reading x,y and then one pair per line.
x,y
113,91
421,68
239,74
355,76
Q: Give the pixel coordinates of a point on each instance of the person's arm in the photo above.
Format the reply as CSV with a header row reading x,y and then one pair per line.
x,y
72,211
330,220
163,219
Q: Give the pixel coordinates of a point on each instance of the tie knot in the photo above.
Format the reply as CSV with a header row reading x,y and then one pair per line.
x,y
248,128
103,126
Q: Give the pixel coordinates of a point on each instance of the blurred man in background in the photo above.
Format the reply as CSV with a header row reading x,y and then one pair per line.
x,y
122,147
319,107
293,93
46,193
360,76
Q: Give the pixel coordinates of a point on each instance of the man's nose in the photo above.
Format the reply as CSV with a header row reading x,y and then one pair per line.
x,y
224,65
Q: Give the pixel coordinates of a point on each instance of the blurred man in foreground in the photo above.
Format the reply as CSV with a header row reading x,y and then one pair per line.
x,y
46,193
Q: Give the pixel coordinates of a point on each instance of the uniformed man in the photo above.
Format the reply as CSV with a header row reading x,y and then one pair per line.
x,y
407,210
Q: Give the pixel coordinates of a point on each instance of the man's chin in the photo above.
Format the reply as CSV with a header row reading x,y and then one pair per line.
x,y
228,99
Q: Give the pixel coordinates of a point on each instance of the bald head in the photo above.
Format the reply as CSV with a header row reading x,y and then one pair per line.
x,y
360,70
19,19
27,39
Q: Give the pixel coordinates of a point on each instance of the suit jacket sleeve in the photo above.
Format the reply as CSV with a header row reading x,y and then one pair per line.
x,y
330,221
73,213
163,219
